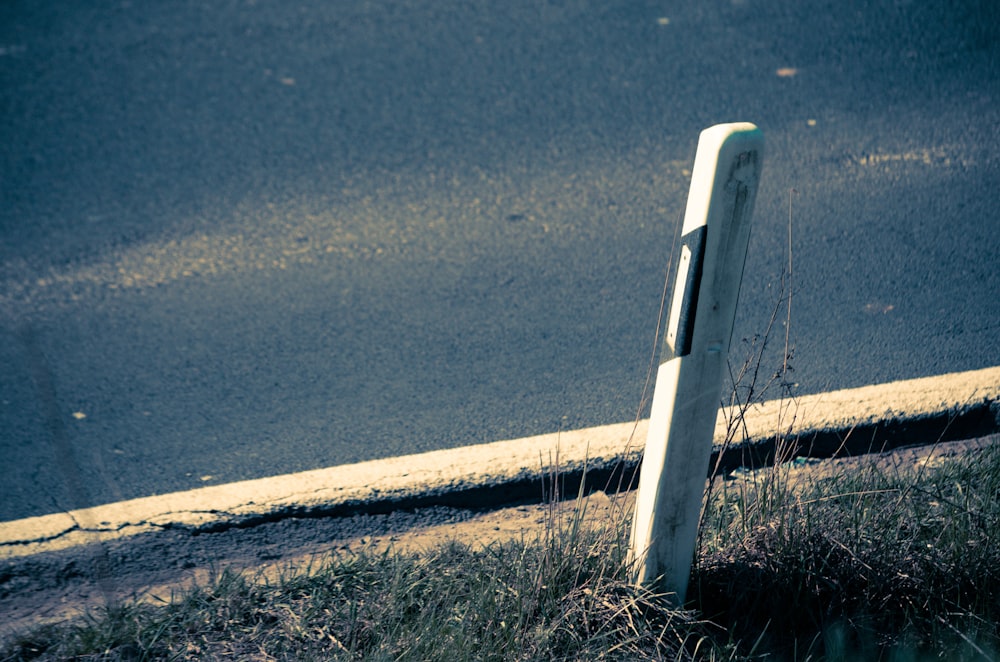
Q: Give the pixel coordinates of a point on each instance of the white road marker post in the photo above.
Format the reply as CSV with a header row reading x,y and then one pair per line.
x,y
688,388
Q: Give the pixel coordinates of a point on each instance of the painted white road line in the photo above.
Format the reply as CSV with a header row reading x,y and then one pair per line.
x,y
458,469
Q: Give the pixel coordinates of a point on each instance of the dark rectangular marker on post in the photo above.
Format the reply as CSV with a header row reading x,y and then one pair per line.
x,y
680,324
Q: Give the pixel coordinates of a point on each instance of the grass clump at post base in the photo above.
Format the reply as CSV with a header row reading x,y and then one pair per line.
x,y
871,563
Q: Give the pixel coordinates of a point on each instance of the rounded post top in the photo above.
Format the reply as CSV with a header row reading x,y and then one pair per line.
x,y
740,145
721,133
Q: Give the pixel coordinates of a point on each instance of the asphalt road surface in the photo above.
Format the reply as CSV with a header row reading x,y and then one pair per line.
x,y
240,239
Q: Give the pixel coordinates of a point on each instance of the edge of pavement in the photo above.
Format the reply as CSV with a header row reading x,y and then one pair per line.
x,y
881,417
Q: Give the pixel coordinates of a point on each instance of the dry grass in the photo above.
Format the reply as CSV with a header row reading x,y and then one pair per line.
x,y
873,563
562,596
865,564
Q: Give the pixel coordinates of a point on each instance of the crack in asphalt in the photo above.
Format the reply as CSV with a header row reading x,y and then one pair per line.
x,y
99,529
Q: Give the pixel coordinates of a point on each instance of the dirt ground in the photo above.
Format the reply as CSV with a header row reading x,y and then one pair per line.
x,y
60,586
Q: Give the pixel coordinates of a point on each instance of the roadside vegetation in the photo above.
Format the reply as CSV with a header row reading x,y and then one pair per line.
x,y
878,562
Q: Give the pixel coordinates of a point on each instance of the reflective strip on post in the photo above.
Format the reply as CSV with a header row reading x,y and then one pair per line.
x,y
680,324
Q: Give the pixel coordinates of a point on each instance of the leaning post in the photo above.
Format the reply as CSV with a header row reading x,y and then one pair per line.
x,y
689,380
